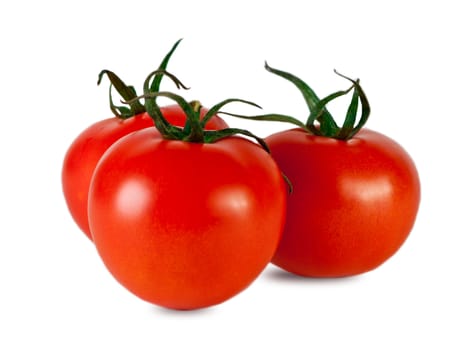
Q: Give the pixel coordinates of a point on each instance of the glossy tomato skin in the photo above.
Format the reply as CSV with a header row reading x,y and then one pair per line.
x,y
186,225
353,206
86,150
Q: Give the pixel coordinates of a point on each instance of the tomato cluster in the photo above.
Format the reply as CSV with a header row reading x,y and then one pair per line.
x,y
186,212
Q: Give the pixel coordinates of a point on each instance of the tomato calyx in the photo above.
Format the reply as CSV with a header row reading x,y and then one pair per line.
x,y
319,114
194,129
128,92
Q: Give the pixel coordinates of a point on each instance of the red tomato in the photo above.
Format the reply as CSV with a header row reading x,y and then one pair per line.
x,y
86,150
186,225
354,202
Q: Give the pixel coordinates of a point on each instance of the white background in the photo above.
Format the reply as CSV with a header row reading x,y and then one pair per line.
x,y
416,62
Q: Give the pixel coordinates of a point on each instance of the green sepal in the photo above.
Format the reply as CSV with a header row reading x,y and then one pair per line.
x,y
217,108
350,118
311,98
365,111
125,91
327,127
211,136
120,112
270,117
155,86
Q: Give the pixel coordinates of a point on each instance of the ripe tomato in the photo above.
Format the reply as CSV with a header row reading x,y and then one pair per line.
x,y
353,204
86,150
356,192
182,224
